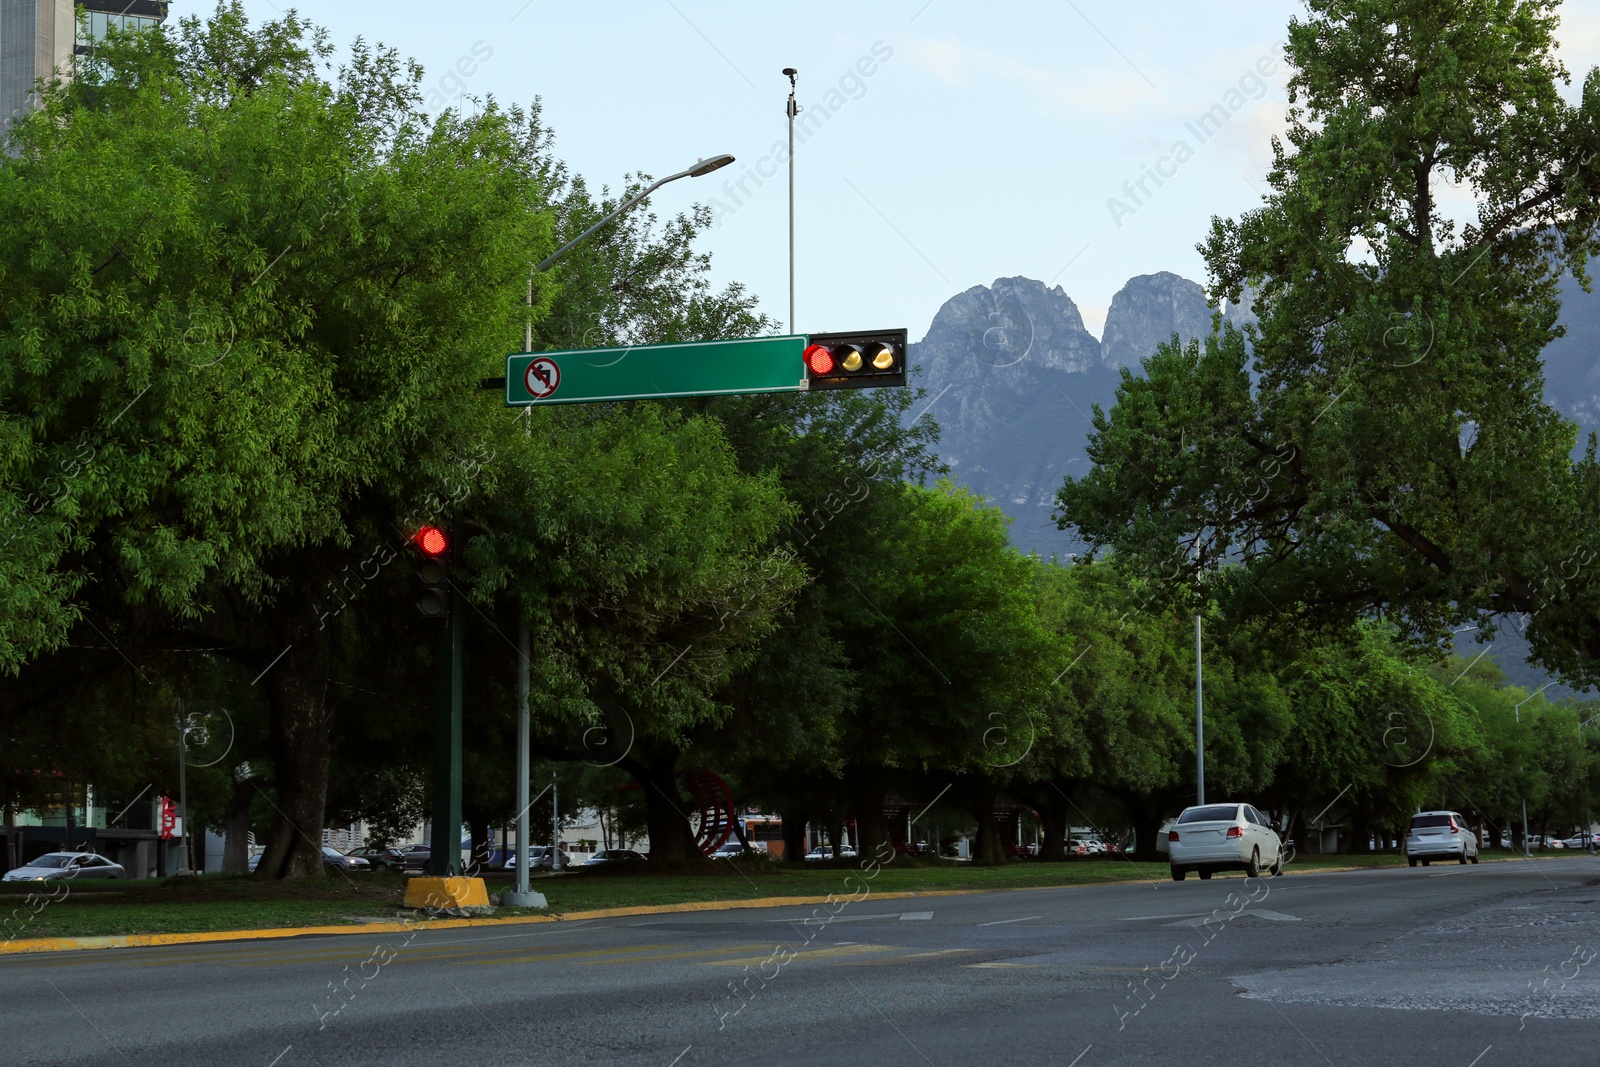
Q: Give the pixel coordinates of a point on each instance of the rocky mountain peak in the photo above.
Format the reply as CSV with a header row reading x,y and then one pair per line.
x,y
1146,313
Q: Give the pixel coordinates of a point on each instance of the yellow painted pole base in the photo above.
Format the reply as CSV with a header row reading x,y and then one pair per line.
x,y
446,893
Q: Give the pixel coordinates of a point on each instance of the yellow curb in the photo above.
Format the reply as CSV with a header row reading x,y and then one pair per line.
x,y
71,944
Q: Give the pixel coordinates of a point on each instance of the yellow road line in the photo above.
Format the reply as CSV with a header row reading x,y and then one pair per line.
x,y
918,957
806,954
642,954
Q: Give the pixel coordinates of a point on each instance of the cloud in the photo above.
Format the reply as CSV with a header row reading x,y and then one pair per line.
x,y
1578,40
1121,94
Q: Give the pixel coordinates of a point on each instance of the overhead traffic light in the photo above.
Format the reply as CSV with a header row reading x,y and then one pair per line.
x,y
434,573
864,360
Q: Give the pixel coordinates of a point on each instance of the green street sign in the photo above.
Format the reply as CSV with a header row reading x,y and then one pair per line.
x,y
654,372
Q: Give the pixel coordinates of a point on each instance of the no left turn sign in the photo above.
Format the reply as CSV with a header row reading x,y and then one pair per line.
x,y
542,377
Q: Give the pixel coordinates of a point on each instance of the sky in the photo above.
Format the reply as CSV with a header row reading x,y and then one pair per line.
x,y
943,144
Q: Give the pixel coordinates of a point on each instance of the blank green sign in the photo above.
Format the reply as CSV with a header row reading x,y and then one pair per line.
x,y
652,372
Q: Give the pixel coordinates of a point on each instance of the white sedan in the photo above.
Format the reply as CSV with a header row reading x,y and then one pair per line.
x,y
69,865
1223,837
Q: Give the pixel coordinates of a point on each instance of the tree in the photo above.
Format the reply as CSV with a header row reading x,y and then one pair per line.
x,y
251,304
1390,448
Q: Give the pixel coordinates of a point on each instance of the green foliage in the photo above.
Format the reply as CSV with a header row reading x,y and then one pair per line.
x,y
1392,450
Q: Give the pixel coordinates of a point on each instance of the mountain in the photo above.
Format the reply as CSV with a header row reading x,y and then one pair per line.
x,y
1013,376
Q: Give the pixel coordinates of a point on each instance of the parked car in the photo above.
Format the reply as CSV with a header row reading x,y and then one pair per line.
x,y
407,858
728,850
1223,837
373,856
538,856
612,855
334,860
1440,835
825,852
1582,840
69,865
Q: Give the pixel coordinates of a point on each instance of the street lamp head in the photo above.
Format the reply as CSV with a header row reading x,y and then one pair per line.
x,y
706,166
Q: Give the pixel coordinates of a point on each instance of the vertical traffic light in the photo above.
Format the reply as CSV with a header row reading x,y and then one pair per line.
x,y
434,573
864,360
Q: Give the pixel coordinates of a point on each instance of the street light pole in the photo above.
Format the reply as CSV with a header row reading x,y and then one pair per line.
x,y
1517,711
791,109
183,791
523,896
1199,722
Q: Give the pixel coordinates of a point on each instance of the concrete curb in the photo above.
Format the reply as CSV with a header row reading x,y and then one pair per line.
x,y
75,944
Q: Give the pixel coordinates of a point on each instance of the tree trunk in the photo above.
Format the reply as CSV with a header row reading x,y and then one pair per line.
x,y
987,849
872,830
1496,839
836,831
1054,845
1146,825
478,826
1360,831
236,827
666,814
301,728
795,821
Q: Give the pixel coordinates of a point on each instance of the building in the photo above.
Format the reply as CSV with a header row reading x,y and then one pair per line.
x,y
40,37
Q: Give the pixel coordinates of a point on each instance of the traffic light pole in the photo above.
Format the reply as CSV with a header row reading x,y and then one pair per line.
x,y
445,859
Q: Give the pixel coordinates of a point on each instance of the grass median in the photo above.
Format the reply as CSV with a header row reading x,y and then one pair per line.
x,y
222,903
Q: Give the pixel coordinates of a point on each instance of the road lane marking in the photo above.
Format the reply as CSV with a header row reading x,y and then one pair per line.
x,y
842,918
1179,915
915,915
808,954
631,954
1002,922
915,957
999,966
1271,916
692,954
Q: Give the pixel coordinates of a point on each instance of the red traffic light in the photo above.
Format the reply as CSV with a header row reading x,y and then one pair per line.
x,y
819,359
432,541
860,360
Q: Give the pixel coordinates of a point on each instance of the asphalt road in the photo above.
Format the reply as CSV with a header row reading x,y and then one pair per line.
x,y
1475,966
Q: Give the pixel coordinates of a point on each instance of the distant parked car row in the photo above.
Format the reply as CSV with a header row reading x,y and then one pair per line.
x,y
825,852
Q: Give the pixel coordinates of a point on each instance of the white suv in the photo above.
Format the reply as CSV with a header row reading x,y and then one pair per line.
x,y
1440,835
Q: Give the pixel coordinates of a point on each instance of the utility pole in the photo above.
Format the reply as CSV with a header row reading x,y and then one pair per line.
x,y
1199,722
1517,711
555,821
792,109
183,792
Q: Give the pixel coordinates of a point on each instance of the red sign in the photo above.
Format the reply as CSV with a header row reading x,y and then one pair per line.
x,y
169,819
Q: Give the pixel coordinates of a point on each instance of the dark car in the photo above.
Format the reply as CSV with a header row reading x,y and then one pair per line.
x,y
407,858
612,855
372,855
